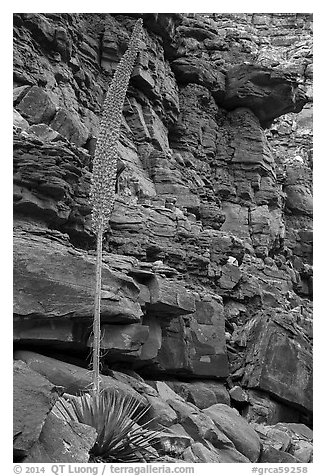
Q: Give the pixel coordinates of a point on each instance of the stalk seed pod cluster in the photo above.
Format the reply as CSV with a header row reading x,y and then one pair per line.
x,y
105,159
104,176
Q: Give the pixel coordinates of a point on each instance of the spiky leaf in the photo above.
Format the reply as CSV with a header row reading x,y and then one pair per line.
x,y
116,419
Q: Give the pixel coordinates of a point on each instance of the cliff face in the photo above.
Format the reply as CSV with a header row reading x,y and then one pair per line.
x,y
208,263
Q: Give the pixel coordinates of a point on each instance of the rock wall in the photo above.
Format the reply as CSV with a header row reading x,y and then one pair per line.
x,y
207,274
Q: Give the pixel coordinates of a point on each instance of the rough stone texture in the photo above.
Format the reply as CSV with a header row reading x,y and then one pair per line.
x,y
209,255
122,340
164,390
62,441
238,396
303,451
271,455
202,428
263,409
174,440
34,396
269,93
50,301
237,429
198,453
70,127
169,298
301,440
46,288
293,438
196,344
36,106
44,132
162,413
278,363
19,123
185,421
135,381
72,378
272,436
201,394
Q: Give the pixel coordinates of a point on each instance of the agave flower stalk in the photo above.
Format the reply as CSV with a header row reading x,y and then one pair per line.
x,y
104,175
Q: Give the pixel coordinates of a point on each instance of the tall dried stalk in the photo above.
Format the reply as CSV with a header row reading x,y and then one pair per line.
x,y
104,175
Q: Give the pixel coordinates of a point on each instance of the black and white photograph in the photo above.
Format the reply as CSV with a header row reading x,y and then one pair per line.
x,y
162,241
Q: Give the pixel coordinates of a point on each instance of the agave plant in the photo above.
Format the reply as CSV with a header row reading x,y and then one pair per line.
x,y
104,175
116,418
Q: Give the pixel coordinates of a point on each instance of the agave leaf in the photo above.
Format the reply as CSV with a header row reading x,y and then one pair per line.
x,y
115,417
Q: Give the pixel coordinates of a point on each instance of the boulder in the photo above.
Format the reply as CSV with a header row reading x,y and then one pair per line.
x,y
19,93
229,279
298,429
44,132
73,379
62,441
299,200
263,409
207,453
174,440
292,438
227,454
19,121
199,453
165,390
36,106
131,378
237,429
33,398
161,412
201,394
301,440
238,396
302,451
273,436
271,455
279,359
70,126
202,429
